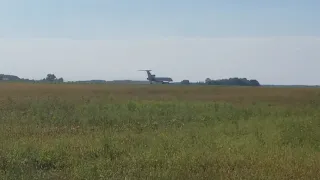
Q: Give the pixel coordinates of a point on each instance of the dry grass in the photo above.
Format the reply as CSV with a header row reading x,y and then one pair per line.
x,y
158,132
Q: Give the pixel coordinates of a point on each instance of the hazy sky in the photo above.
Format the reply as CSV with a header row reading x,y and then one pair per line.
x,y
275,42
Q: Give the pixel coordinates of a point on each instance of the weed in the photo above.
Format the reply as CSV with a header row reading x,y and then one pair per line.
x,y
158,132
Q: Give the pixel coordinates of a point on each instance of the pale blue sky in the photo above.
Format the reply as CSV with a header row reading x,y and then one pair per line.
x,y
200,34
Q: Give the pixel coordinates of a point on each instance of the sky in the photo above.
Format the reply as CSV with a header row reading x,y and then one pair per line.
x,y
275,42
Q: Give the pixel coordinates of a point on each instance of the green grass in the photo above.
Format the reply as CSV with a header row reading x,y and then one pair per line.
x,y
53,136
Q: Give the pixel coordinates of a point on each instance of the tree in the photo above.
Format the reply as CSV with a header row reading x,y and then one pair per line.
x,y
60,80
255,82
208,80
51,77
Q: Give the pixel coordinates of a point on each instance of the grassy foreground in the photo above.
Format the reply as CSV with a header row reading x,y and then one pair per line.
x,y
158,132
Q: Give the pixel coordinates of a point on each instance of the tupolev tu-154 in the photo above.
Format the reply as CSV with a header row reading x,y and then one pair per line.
x,y
152,78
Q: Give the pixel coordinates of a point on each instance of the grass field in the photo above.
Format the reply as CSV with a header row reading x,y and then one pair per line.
x,y
158,132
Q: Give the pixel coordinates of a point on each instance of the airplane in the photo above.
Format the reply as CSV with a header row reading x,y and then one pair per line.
x,y
153,78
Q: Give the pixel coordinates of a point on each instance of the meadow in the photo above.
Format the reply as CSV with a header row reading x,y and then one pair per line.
x,y
61,131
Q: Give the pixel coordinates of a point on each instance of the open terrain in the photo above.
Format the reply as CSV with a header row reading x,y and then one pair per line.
x,y
158,132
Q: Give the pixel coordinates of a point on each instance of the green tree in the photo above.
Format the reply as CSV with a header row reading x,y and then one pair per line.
x,y
208,80
60,80
51,77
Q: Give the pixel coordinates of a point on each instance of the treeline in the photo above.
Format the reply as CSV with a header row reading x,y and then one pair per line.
x,y
226,82
51,78
233,82
9,77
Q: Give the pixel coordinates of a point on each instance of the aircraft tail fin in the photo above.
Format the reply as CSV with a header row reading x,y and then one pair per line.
x,y
148,72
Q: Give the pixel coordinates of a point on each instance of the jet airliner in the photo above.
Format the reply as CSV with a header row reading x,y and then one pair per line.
x,y
152,78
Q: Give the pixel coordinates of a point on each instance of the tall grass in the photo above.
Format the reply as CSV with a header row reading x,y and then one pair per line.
x,y
158,132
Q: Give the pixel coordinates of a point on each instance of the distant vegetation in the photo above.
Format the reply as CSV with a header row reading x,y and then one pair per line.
x,y
51,78
9,77
233,82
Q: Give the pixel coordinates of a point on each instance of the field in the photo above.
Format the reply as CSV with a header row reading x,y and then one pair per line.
x,y
158,132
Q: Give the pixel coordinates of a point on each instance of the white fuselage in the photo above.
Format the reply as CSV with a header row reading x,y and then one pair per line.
x,y
162,79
